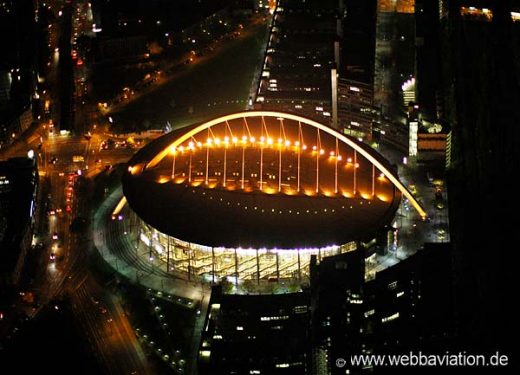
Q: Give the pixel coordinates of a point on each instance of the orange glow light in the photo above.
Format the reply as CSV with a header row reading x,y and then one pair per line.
x,y
382,198
349,142
347,194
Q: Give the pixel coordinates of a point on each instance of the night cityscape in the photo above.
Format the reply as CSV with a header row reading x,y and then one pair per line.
x,y
238,187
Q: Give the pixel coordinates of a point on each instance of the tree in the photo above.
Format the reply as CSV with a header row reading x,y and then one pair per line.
x,y
227,286
249,286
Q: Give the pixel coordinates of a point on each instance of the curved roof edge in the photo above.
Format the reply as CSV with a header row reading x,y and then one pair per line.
x,y
193,130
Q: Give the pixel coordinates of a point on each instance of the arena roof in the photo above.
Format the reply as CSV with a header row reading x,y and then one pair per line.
x,y
263,180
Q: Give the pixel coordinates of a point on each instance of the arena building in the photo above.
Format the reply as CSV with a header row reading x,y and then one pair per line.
x,y
252,195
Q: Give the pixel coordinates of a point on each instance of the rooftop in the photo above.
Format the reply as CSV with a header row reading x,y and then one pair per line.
x,y
262,180
17,185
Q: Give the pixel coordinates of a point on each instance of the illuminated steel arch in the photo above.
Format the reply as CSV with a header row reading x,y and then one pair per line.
x,y
287,116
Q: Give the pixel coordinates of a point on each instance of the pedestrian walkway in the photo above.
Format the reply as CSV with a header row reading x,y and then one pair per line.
x,y
194,291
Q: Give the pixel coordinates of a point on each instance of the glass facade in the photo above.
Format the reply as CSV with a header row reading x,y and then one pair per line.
x,y
198,262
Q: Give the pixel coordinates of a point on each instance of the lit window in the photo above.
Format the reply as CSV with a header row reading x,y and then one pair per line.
x,y
390,318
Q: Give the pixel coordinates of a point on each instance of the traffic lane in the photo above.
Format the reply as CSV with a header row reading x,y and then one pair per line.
x,y
179,66
59,241
110,330
86,313
65,144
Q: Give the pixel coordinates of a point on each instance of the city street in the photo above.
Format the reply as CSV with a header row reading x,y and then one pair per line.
x,y
219,187
65,157
187,98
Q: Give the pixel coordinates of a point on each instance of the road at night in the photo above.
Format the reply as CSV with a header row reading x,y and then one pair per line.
x,y
108,329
